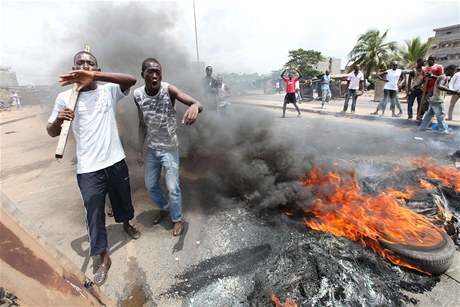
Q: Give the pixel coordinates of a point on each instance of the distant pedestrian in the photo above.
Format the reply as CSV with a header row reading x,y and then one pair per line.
x,y
290,96
390,90
454,85
210,90
278,87
297,92
325,89
436,107
415,84
430,74
355,82
16,100
223,93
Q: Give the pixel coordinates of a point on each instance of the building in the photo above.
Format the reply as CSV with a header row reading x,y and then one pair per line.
x,y
8,78
30,94
446,45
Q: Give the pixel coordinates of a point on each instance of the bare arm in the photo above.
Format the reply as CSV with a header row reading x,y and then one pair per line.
x,y
86,77
441,84
195,106
282,74
54,129
141,135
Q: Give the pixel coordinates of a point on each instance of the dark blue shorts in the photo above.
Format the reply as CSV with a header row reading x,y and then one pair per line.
x,y
94,186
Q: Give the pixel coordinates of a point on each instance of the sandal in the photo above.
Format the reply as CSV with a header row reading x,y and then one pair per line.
x,y
102,273
132,232
159,216
178,228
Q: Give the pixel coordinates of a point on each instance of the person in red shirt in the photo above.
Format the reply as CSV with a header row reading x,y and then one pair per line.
x,y
432,72
290,89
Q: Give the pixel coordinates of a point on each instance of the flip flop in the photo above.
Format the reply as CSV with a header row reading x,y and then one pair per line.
x,y
102,273
132,232
178,228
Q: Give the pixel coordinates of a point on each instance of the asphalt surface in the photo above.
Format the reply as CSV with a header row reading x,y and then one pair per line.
x,y
156,269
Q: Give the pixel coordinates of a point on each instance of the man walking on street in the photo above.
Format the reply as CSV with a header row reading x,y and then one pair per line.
x,y
325,89
157,130
101,168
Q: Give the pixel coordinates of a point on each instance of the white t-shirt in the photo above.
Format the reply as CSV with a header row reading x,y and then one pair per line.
x,y
355,80
94,126
454,83
393,79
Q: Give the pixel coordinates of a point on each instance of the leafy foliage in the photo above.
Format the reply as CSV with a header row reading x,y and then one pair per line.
x,y
372,52
305,61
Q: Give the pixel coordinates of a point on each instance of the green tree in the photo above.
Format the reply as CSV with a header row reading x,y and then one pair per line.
x,y
305,61
372,52
413,50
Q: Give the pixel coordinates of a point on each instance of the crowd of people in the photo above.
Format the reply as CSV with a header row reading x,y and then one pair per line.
x,y
101,166
425,84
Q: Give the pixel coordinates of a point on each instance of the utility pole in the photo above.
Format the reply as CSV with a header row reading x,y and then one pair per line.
x,y
196,34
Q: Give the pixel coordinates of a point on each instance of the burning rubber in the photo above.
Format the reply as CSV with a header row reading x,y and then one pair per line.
x,y
434,259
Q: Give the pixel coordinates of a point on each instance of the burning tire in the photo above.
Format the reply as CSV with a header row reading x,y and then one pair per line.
x,y
432,259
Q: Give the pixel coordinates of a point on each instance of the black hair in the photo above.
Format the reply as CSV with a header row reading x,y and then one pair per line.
x,y
451,67
148,60
86,52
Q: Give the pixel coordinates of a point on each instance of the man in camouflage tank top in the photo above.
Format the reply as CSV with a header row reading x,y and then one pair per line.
x,y
157,131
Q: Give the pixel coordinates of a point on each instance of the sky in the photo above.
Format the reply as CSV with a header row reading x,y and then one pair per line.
x,y
39,38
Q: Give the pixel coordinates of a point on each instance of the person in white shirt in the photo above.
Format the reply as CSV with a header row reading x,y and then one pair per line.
x,y
101,166
355,81
454,85
390,89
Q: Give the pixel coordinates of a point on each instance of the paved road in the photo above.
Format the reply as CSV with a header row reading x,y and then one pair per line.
x,y
218,230
364,106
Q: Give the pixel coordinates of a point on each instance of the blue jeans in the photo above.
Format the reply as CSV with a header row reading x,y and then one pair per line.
x,y
388,94
155,160
354,96
325,95
438,110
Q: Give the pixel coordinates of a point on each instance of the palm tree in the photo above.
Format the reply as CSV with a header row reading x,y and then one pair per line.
x,y
371,52
413,50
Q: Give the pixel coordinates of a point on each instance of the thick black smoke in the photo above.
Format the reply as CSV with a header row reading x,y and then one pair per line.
x,y
239,154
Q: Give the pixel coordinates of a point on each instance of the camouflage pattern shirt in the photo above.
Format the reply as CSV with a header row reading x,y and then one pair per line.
x,y
159,117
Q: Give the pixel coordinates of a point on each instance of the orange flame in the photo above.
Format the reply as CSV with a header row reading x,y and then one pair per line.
x,y
289,302
340,209
447,176
425,184
398,194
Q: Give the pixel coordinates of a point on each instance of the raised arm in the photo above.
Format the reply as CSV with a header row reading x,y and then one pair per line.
x,y
195,106
86,77
282,74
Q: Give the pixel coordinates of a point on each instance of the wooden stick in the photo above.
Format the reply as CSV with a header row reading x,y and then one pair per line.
x,y
422,102
65,128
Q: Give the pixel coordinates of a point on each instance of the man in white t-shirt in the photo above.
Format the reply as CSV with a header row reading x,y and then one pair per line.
x,y
101,167
355,83
390,89
454,85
